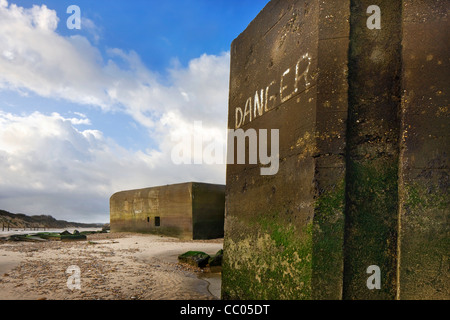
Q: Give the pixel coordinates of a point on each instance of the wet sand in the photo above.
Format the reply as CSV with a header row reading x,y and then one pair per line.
x,y
113,267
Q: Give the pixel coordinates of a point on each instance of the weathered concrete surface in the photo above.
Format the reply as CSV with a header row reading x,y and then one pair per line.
x,y
363,177
208,211
373,150
188,210
270,249
424,216
329,159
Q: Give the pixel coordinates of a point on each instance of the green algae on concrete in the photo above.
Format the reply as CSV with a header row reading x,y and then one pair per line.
x,y
371,229
424,232
49,235
76,236
360,149
273,223
186,210
373,126
425,241
328,244
275,263
195,258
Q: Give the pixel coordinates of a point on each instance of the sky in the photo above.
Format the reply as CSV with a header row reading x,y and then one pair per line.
x,y
88,112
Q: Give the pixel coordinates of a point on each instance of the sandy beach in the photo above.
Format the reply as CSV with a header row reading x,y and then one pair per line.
x,y
120,266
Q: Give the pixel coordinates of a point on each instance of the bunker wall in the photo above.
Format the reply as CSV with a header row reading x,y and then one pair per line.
x,y
363,124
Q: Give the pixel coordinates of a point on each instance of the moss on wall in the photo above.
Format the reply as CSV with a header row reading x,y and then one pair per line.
x,y
328,243
371,206
419,198
425,241
179,211
274,263
371,214
371,229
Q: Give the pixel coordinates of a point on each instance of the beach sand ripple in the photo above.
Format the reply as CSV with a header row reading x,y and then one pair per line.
x,y
113,267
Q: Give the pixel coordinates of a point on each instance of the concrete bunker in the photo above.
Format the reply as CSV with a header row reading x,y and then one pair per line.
x,y
363,118
187,210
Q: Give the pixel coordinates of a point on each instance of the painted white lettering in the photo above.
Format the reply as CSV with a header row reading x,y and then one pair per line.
x,y
240,116
263,101
259,103
304,74
248,110
268,99
283,88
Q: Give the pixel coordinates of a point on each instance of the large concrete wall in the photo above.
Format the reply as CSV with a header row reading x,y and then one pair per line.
x,y
373,129
424,218
363,176
135,210
269,241
208,207
187,211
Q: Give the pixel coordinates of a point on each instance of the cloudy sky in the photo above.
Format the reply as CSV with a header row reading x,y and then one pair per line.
x,y
88,112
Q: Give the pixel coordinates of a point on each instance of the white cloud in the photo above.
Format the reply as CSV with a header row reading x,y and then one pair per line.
x,y
81,115
50,166
43,18
36,58
47,157
91,28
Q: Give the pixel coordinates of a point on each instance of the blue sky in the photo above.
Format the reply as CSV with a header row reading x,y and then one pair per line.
x,y
86,113
162,30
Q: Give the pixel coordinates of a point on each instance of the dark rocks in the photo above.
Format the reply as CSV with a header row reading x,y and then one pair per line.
x,y
201,260
194,258
76,236
49,236
46,236
26,237
216,260
34,238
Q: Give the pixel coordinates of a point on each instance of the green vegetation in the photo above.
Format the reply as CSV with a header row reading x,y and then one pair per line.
x,y
272,263
419,198
52,236
372,223
195,258
328,243
49,235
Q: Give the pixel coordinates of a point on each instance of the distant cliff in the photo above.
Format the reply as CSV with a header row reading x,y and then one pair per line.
x,y
20,220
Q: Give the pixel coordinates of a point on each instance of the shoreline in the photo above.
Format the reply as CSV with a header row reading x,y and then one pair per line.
x,y
113,266
19,231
